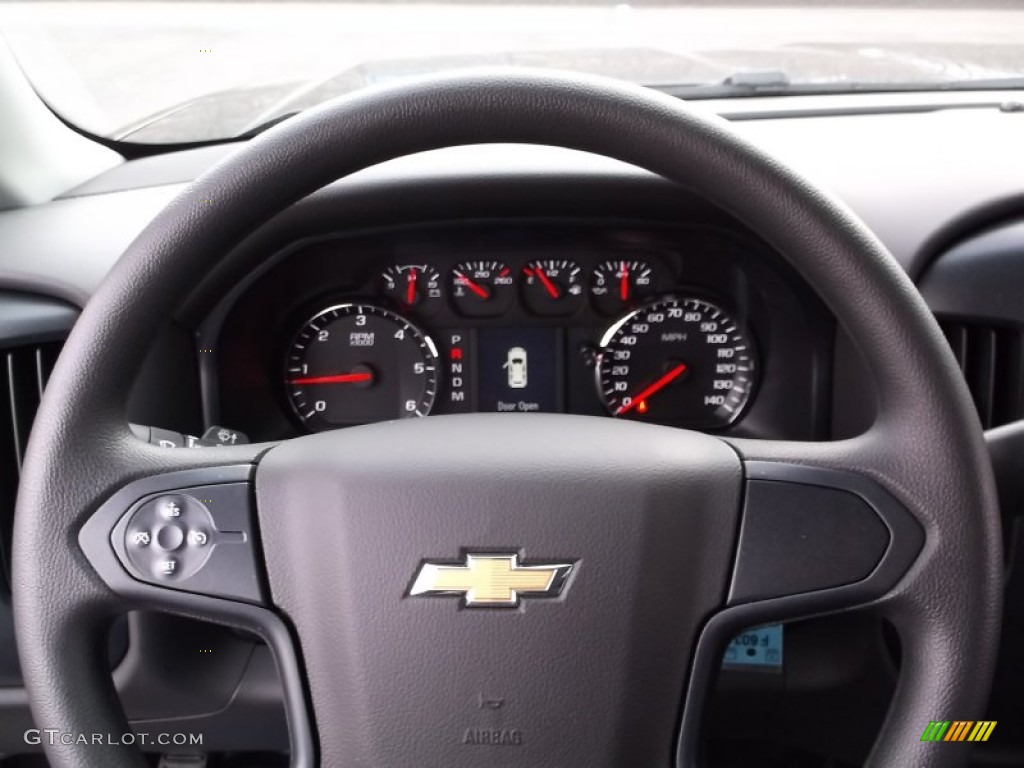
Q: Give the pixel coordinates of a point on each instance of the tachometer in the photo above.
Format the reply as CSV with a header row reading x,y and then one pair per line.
x,y
683,361
356,363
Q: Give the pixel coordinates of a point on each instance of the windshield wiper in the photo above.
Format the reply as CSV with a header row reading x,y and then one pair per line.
x,y
759,81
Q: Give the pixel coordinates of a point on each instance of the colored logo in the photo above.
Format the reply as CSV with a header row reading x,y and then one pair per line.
x,y
958,730
490,581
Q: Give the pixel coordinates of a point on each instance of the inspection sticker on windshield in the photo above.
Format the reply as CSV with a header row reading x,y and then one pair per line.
x,y
759,648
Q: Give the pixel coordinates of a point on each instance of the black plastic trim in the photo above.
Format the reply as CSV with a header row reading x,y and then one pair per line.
x,y
26,319
1006,447
10,672
977,278
906,534
94,539
836,537
907,539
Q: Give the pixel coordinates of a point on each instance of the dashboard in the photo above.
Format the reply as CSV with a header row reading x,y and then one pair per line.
x,y
694,327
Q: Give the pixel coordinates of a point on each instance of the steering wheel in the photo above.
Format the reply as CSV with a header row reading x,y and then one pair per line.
x,y
542,590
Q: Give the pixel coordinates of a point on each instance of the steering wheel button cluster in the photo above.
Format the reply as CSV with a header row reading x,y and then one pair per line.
x,y
161,525
197,539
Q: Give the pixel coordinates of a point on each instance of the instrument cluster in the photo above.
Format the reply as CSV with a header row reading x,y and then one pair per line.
x,y
675,358
345,331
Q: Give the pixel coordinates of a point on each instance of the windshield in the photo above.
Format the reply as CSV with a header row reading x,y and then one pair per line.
x,y
178,72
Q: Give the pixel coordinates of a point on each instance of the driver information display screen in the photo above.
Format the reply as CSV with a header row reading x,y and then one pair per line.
x,y
519,370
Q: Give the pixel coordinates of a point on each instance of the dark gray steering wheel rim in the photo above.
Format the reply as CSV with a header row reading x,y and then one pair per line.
x,y
926,447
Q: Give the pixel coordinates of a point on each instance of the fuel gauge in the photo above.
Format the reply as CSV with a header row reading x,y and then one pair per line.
x,y
414,287
552,287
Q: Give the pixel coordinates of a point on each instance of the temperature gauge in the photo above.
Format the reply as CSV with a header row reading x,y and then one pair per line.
x,y
482,288
413,286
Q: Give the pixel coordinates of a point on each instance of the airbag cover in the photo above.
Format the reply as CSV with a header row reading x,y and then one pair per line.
x,y
592,677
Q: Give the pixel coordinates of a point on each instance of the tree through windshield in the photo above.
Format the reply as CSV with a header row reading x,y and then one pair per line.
x,y
200,71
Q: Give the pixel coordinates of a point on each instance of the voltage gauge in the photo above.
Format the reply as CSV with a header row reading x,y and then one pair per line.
x,y
415,287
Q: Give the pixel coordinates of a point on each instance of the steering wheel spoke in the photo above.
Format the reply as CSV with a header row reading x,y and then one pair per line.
x,y
813,540
185,541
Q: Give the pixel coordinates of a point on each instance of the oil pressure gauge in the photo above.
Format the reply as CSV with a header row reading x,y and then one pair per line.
x,y
621,284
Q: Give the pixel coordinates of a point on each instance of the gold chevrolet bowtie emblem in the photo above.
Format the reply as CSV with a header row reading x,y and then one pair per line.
x,y
490,581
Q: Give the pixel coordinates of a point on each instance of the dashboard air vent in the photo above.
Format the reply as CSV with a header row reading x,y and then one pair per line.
x,y
26,370
992,360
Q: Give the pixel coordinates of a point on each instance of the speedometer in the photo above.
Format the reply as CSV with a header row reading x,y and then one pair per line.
x,y
682,361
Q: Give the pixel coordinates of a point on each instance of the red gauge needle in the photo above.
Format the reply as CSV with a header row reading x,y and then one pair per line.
x,y
550,287
476,288
340,378
657,386
624,282
410,289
